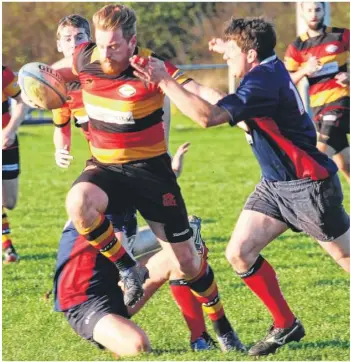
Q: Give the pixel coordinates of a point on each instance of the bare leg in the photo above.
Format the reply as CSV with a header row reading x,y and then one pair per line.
x,y
339,250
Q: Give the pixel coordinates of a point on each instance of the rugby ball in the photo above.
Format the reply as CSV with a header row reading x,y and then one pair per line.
x,y
42,86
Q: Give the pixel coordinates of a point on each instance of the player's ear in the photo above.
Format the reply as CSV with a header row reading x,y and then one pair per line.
x,y
132,42
59,49
252,56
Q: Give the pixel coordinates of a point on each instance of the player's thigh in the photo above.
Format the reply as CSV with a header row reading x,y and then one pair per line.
x,y
338,248
120,335
9,193
158,198
253,231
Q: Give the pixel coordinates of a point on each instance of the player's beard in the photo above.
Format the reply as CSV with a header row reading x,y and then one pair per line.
x,y
111,67
317,26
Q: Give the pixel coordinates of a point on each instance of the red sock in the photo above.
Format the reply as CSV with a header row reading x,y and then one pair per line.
x,y
262,280
6,238
190,308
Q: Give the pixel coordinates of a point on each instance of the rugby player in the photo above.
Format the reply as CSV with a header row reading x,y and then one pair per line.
x,y
130,164
321,54
299,188
10,155
72,31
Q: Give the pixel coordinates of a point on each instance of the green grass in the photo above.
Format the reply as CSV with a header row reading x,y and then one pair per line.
x,y
219,174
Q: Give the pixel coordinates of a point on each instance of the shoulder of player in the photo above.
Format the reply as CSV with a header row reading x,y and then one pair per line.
x,y
334,29
7,76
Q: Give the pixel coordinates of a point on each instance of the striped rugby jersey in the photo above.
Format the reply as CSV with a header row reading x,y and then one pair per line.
x,y
72,109
332,49
125,113
10,88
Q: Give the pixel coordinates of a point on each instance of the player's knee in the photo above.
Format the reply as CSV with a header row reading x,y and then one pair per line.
x,y
236,254
138,344
189,263
78,201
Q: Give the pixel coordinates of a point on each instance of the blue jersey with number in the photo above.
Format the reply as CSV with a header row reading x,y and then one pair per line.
x,y
282,135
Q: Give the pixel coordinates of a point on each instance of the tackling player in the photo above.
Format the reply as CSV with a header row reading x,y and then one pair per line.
x,y
130,164
322,54
10,155
299,188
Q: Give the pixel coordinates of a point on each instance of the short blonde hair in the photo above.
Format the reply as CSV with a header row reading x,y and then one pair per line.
x,y
112,17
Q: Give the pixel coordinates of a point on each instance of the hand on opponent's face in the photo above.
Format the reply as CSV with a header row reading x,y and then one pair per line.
x,y
149,69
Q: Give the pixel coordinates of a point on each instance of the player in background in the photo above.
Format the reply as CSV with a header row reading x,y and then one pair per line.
x,y
129,151
321,54
299,188
72,31
10,156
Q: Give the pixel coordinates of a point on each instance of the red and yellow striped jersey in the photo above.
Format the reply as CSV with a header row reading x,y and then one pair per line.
x,y
125,114
10,88
332,49
72,109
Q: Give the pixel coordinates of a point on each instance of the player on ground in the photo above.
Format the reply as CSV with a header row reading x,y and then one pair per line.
x,y
74,30
299,188
321,54
130,164
10,155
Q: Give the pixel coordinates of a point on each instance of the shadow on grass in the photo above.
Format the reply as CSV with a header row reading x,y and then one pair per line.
x,y
39,256
322,344
160,351
209,221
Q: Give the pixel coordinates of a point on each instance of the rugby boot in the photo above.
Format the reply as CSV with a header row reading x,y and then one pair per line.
x,y
203,343
133,279
230,342
11,256
195,223
276,338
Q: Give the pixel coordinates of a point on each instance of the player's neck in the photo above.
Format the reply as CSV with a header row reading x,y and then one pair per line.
x,y
312,33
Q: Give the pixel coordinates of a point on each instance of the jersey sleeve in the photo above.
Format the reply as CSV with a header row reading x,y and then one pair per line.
x,y
61,116
10,83
177,73
83,54
255,97
292,59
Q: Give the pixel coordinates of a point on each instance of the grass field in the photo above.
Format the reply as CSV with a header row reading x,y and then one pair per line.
x,y
219,174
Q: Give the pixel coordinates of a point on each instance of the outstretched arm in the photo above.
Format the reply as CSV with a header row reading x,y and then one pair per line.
x,y
199,110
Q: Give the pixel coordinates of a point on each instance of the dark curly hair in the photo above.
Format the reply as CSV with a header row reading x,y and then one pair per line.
x,y
252,33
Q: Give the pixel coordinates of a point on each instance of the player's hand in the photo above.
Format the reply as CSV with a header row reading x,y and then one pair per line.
x,y
63,158
216,45
150,70
343,79
178,158
312,65
8,138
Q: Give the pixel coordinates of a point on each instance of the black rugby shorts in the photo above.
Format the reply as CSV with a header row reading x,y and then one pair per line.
x,y
11,162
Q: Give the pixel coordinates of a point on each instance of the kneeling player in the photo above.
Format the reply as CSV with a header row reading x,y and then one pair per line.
x,y
86,287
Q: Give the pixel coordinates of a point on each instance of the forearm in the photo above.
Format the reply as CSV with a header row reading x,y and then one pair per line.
x,y
18,114
210,95
62,137
188,103
298,75
167,118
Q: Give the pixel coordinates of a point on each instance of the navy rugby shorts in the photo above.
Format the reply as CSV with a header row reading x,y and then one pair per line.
x,y
314,207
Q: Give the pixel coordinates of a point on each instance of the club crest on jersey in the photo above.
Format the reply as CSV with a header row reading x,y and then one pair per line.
x,y
126,90
331,48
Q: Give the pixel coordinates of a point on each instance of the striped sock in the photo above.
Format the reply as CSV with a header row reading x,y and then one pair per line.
x,y
6,231
101,236
204,287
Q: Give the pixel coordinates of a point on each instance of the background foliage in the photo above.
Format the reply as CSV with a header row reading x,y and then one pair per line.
x,y
177,30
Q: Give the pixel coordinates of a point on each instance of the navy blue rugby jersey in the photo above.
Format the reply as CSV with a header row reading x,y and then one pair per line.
x,y
81,271
282,134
